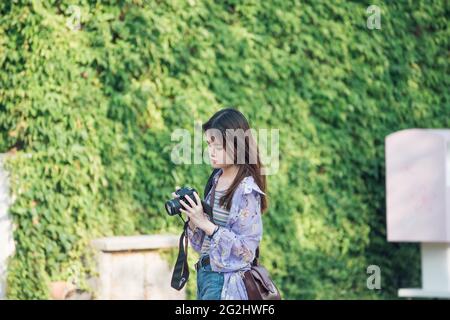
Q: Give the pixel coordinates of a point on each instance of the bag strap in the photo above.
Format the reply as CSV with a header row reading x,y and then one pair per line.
x,y
210,182
256,260
208,208
211,198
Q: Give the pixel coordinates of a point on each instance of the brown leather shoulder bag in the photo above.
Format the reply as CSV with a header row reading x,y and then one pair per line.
x,y
258,283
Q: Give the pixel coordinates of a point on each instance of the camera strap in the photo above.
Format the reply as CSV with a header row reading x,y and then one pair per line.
x,y
181,271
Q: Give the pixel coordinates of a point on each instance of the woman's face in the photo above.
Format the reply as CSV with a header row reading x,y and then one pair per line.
x,y
217,154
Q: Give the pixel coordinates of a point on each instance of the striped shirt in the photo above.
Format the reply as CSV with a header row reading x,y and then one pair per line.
x,y
220,217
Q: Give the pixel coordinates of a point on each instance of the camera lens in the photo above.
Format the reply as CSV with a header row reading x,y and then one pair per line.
x,y
171,207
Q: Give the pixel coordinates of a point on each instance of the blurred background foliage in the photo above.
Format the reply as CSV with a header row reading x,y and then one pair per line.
x,y
86,117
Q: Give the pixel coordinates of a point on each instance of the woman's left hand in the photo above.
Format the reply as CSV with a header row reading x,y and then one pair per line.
x,y
196,214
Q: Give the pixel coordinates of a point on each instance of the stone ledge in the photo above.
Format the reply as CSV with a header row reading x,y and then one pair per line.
x,y
423,293
135,243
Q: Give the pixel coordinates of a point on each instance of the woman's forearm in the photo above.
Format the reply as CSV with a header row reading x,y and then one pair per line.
x,y
195,236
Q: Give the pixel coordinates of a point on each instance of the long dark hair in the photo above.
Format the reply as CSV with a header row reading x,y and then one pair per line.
x,y
227,119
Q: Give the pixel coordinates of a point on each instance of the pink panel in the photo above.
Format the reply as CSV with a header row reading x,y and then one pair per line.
x,y
416,188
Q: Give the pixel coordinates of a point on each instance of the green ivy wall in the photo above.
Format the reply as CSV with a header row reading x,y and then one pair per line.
x,y
86,116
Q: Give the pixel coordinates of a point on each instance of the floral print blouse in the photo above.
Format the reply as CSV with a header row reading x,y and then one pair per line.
x,y
233,247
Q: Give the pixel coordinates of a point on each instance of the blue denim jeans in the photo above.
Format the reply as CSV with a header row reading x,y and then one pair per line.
x,y
209,283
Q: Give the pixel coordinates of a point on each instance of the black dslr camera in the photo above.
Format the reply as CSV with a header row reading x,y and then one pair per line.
x,y
173,206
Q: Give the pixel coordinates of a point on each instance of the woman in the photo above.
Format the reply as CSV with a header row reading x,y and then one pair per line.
x,y
227,243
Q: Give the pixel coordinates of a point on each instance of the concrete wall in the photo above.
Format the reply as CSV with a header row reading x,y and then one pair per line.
x,y
133,268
